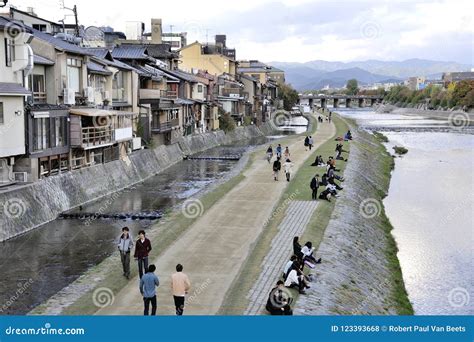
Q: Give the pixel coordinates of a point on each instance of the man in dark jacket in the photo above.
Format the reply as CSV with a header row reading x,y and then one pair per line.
x,y
276,168
279,301
125,245
142,248
314,185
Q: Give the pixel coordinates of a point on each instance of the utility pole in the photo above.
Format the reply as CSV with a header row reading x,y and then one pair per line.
x,y
74,9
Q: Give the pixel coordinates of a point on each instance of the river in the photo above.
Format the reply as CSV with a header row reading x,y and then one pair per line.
x,y
36,265
430,205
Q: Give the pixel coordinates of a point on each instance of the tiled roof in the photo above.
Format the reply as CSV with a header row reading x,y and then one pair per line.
x,y
103,53
131,51
42,60
97,68
161,51
13,89
186,76
59,43
6,23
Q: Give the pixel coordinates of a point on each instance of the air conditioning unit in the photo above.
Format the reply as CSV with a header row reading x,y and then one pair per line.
x,y
21,177
89,93
69,96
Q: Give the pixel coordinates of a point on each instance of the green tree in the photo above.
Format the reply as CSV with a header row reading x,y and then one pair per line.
x,y
352,87
288,95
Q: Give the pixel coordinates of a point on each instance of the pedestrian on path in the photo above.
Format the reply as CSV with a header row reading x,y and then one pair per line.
x,y
310,142
180,286
125,245
314,185
276,168
306,143
148,284
278,302
287,153
288,165
278,151
142,249
269,154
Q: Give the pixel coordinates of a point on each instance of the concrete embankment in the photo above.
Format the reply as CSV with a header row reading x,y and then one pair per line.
x,y
360,273
31,206
431,113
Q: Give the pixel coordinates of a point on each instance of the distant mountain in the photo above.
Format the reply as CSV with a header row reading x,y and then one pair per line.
x,y
319,72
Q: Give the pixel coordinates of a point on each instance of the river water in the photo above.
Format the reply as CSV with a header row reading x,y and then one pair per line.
x,y
430,205
36,265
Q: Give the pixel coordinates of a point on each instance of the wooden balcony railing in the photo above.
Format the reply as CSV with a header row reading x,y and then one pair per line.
x,y
168,94
39,97
96,136
161,127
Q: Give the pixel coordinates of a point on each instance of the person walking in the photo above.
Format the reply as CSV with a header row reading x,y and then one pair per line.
x,y
288,165
125,245
142,249
287,153
310,142
276,168
306,143
180,286
278,151
314,185
148,284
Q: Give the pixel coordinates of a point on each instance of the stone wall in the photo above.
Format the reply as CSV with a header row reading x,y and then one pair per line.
x,y
33,205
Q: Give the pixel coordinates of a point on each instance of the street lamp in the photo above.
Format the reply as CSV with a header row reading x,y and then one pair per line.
x,y
4,3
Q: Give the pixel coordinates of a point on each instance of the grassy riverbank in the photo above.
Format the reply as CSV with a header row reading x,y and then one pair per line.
x,y
298,189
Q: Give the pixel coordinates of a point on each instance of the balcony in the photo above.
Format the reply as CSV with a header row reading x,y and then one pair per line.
x,y
168,94
232,92
162,127
97,136
150,94
39,97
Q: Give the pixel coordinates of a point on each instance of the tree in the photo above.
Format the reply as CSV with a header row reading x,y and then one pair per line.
x,y
352,87
288,95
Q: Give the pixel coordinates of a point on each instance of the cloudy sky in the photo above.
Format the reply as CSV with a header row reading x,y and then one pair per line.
x,y
298,30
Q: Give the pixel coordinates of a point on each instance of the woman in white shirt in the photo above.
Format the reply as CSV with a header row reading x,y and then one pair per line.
x,y
307,251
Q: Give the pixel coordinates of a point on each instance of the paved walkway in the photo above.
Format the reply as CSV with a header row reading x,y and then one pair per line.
x,y
213,249
296,219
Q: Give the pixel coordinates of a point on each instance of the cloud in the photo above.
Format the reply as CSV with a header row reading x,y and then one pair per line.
x,y
300,30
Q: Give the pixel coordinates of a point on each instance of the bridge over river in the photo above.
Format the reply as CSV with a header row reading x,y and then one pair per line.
x,y
322,100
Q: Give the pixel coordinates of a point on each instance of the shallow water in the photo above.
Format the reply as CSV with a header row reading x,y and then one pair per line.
x,y
430,205
36,265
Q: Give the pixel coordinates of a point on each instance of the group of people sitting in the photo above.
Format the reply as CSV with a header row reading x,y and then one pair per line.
x,y
293,276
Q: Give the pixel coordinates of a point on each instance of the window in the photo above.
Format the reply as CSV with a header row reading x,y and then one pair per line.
x,y
199,88
118,87
41,134
59,132
38,87
39,27
2,120
74,74
9,51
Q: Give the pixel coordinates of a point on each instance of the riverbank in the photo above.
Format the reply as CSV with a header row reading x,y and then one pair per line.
x,y
69,190
360,273
429,113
